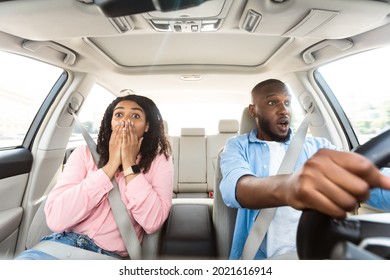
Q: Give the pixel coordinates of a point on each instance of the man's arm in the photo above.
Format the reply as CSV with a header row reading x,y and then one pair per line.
x,y
256,193
332,182
234,165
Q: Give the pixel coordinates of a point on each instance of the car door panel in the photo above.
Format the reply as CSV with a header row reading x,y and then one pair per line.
x,y
15,166
14,162
9,225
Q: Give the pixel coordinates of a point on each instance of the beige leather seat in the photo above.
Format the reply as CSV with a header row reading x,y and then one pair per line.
x,y
192,180
227,128
224,218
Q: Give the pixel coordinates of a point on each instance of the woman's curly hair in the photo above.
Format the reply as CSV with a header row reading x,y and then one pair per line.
x,y
154,140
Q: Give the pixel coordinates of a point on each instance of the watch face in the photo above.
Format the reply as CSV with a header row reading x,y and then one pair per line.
x,y
136,169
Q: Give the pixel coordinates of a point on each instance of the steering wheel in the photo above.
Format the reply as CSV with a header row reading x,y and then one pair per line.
x,y
321,237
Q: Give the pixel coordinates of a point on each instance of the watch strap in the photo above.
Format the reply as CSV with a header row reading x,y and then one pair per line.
x,y
134,169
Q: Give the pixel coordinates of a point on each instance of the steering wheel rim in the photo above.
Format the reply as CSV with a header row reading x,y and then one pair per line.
x,y
315,236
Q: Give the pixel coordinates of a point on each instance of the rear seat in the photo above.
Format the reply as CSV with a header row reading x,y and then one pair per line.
x,y
189,231
192,180
194,156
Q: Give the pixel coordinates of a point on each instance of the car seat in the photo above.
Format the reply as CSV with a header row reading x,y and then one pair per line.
x,y
224,217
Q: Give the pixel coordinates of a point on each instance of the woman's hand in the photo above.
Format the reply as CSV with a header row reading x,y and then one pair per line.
x,y
115,144
131,145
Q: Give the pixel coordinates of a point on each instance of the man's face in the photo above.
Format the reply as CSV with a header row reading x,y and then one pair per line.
x,y
272,112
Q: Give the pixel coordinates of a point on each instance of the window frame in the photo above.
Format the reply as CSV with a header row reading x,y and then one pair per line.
x,y
338,111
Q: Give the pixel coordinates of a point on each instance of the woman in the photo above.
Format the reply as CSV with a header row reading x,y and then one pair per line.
x,y
134,150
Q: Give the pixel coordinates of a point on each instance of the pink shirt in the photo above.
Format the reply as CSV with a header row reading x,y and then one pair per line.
x,y
79,200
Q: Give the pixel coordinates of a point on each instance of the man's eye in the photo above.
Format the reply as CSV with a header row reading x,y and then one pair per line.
x,y
271,103
287,103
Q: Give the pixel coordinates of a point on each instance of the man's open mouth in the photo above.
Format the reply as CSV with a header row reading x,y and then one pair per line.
x,y
284,123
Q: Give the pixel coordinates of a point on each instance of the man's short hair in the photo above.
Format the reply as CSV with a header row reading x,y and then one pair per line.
x,y
258,87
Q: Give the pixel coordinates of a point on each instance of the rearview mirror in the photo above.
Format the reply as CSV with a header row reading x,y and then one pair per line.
x,y
118,8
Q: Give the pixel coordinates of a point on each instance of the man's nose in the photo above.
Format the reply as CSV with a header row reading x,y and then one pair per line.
x,y
283,109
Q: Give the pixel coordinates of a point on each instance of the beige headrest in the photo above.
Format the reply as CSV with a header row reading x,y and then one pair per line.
x,y
193,131
228,126
247,122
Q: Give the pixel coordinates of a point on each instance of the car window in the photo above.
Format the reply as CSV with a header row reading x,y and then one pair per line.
x,y
207,115
24,85
360,84
198,115
91,114
297,113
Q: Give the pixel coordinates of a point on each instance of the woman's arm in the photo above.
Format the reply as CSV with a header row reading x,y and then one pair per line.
x,y
149,195
80,188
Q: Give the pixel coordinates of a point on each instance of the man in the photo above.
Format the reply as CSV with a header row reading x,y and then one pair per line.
x,y
324,179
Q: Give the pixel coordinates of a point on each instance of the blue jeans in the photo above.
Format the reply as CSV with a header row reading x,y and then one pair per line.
x,y
69,238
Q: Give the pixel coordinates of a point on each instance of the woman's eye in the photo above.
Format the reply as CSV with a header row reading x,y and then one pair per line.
x,y
136,116
118,115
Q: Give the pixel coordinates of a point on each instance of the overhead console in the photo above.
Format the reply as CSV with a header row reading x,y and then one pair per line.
x,y
204,18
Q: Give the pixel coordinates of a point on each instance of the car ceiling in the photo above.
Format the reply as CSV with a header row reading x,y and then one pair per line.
x,y
127,52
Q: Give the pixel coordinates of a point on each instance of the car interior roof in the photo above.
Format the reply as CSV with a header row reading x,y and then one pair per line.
x,y
138,53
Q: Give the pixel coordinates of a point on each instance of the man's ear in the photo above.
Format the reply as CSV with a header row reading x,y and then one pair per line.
x,y
252,110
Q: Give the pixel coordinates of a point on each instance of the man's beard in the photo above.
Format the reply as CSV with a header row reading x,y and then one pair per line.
x,y
265,127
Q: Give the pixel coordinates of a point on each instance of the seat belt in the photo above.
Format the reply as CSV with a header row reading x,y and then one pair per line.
x,y
265,216
119,210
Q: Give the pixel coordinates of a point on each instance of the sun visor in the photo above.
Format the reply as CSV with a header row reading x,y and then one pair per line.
x,y
313,19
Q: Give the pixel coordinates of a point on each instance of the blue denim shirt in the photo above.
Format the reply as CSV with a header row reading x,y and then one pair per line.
x,y
380,198
247,155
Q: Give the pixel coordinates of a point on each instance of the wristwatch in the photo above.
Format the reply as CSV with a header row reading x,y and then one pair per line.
x,y
134,169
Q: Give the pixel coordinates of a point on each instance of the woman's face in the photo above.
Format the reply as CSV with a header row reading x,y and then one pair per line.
x,y
130,111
